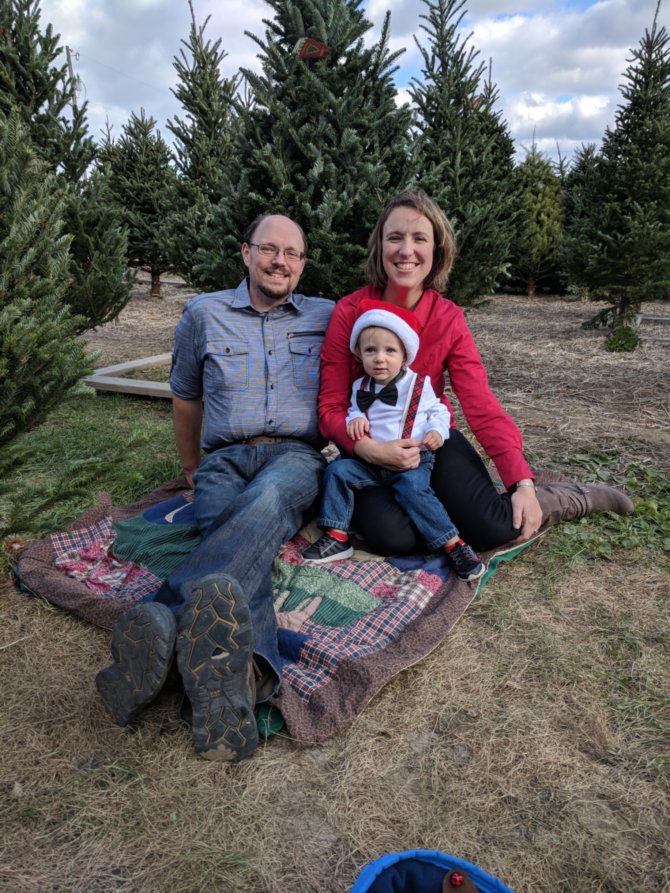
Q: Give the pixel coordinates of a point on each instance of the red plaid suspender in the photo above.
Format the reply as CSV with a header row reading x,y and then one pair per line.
x,y
413,406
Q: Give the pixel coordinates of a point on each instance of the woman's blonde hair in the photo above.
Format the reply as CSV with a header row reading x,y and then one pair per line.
x,y
444,252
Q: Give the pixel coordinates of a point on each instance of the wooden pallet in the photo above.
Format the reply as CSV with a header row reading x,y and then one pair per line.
x,y
106,380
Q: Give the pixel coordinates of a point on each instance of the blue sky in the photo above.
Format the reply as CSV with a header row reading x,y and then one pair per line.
x,y
557,65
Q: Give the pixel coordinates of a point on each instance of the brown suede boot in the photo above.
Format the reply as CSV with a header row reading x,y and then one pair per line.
x,y
567,501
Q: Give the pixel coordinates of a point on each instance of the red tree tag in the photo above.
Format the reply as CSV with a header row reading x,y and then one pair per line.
x,y
308,48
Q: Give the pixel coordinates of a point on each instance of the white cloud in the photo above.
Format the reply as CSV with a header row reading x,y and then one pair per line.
x,y
557,66
403,98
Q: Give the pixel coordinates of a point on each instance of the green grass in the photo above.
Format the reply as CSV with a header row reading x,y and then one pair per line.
x,y
603,535
89,444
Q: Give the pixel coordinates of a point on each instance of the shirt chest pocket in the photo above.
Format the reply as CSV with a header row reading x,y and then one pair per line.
x,y
227,365
305,351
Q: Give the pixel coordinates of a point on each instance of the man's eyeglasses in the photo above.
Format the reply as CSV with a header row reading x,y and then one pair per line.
x,y
268,250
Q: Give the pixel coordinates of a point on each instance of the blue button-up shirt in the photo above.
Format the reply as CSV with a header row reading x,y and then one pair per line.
x,y
258,373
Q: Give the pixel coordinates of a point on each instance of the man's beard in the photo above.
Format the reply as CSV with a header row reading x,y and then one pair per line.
x,y
284,292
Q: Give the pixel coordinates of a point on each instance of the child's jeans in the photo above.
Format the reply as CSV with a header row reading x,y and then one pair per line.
x,y
412,489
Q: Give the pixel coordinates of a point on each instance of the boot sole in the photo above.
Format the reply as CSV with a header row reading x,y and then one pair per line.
x,y
143,642
214,655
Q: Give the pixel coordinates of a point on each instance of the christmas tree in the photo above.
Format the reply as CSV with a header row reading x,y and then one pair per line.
x,y
539,234
142,181
203,145
619,234
37,83
100,281
321,139
40,356
36,80
576,177
462,152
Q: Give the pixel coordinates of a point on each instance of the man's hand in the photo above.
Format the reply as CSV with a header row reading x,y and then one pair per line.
x,y
187,420
395,455
358,428
189,477
433,440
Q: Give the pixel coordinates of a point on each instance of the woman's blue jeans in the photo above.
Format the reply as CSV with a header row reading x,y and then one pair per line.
x,y
248,501
347,477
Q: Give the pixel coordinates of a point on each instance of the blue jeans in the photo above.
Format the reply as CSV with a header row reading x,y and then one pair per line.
x,y
412,490
248,501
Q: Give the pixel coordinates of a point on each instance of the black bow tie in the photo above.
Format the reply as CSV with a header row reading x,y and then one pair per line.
x,y
388,394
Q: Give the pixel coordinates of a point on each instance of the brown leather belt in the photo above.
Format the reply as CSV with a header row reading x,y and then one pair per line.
x,y
260,439
263,440
257,440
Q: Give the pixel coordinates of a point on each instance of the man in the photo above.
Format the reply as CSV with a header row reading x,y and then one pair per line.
x,y
251,355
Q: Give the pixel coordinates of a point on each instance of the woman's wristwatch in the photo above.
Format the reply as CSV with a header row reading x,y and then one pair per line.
x,y
526,482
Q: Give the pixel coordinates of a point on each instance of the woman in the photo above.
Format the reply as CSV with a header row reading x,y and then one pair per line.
x,y
410,254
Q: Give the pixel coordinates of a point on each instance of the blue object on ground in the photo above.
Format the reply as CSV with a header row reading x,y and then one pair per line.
x,y
420,871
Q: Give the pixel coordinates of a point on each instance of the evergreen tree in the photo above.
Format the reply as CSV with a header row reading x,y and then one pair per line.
x,y
576,178
203,146
142,180
100,281
43,91
539,234
462,152
34,81
322,141
40,356
619,237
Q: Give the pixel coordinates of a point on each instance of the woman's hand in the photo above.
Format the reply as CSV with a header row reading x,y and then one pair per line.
x,y
526,513
395,455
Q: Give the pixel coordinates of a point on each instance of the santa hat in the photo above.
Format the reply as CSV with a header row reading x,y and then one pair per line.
x,y
398,320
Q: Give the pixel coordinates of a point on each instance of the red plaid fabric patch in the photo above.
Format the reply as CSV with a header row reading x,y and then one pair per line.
x,y
80,539
86,555
327,646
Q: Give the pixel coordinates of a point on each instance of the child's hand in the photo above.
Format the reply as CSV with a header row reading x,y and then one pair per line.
x,y
433,440
358,428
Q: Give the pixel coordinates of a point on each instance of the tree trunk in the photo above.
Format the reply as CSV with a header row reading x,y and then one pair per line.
x,y
624,309
155,283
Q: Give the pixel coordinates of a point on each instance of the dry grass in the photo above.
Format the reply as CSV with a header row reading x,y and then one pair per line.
x,y
534,741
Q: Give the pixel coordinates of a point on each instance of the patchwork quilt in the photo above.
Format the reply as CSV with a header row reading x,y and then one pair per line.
x,y
345,628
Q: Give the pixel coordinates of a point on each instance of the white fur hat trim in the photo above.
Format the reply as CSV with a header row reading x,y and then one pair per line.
x,y
387,319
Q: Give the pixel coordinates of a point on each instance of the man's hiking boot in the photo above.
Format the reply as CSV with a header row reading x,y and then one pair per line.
x,y
327,548
143,642
464,561
214,656
567,501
